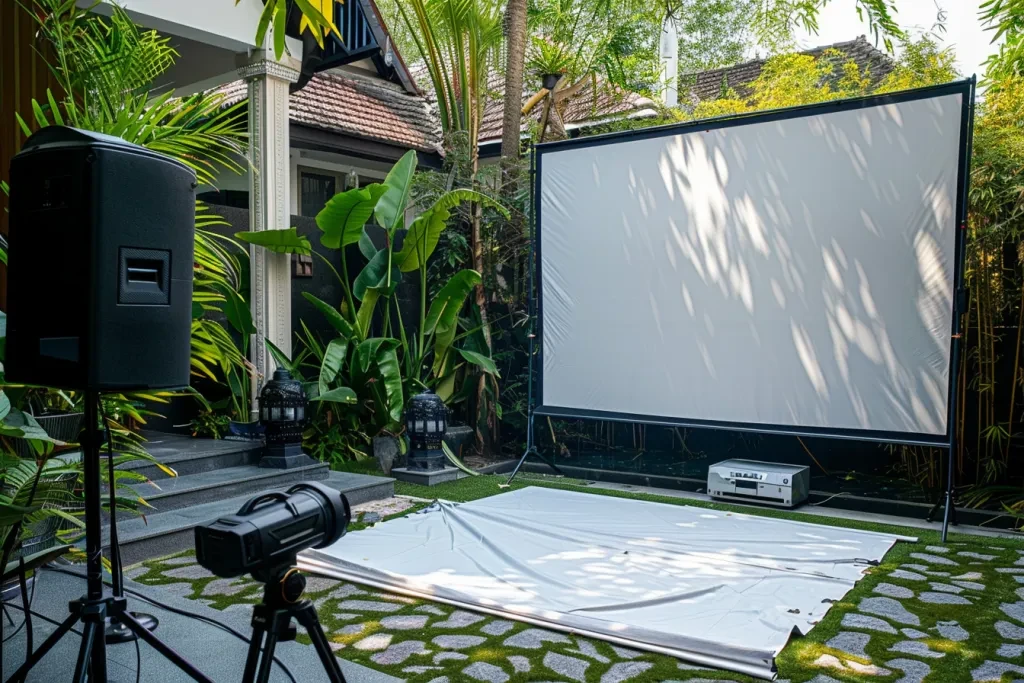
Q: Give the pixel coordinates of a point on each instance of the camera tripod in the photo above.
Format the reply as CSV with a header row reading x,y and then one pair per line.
x,y
93,608
282,600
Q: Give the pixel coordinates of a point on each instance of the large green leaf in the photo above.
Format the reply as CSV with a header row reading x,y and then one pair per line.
x,y
334,358
236,310
294,367
377,362
344,216
390,210
333,316
374,274
480,360
286,241
421,238
443,317
339,395
366,246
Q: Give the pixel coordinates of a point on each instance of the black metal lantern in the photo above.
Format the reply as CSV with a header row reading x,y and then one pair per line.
x,y
283,415
426,421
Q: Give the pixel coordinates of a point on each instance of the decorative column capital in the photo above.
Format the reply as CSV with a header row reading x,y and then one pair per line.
x,y
261,64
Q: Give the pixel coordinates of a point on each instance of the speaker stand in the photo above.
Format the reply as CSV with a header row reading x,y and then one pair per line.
x,y
93,608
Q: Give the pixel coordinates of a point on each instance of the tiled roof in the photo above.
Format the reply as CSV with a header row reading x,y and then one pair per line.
x,y
708,85
589,105
370,108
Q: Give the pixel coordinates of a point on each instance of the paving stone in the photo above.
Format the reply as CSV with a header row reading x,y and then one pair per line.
x,y
404,622
624,671
179,560
993,671
482,671
520,663
346,590
943,599
855,620
970,585
934,559
893,591
378,641
890,609
421,669
905,575
916,648
913,633
399,652
439,679
850,643
498,627
445,655
180,589
1010,651
190,572
970,576
831,662
1020,593
226,587
940,549
569,667
946,588
1010,570
319,584
351,629
587,649
951,630
432,609
369,606
459,619
346,616
625,652
457,642
1014,610
534,639
977,556
135,572
913,670
822,678
1009,631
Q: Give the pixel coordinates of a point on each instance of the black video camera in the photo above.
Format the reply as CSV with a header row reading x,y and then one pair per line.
x,y
271,529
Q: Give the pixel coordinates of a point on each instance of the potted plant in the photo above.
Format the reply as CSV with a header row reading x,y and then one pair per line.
x,y
549,61
56,412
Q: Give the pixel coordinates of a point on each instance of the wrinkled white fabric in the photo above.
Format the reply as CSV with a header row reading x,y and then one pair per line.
x,y
795,272
720,589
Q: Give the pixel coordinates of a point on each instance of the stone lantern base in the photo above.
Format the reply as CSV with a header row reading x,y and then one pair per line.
x,y
285,457
426,477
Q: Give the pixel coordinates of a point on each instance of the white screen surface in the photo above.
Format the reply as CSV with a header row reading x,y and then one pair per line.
x,y
795,272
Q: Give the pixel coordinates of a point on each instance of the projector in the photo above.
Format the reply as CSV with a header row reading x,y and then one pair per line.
x,y
764,482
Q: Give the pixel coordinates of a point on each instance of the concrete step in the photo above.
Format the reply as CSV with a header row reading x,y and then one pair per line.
x,y
196,489
187,456
164,533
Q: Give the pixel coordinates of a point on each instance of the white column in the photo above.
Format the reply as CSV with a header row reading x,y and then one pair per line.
x,y
669,54
269,180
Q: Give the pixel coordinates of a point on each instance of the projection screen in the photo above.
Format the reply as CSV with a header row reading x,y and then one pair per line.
x,y
789,272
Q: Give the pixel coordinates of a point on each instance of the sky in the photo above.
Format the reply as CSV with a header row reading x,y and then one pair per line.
x,y
838,22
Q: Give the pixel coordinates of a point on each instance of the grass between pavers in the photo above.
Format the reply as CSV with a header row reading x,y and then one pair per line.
x,y
796,662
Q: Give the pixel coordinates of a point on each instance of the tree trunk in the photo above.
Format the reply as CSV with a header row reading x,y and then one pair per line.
x,y
515,59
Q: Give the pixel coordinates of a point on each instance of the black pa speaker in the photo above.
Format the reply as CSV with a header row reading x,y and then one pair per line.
x,y
100,276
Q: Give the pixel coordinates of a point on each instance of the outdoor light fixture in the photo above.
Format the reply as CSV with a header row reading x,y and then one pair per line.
x,y
426,420
351,180
283,405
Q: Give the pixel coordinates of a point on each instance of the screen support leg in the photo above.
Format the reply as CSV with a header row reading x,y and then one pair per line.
x,y
531,449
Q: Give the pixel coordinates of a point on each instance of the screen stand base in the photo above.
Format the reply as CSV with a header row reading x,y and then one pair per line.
x,y
531,450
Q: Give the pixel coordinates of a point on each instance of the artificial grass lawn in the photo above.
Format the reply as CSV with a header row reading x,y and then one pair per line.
x,y
796,662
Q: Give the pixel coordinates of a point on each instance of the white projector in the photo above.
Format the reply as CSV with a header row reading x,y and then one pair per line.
x,y
762,482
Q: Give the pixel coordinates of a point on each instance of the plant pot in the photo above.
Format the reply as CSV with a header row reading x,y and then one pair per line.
x,y
549,81
244,431
385,450
61,426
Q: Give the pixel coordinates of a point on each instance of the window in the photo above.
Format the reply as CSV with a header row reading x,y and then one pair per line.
x,y
315,190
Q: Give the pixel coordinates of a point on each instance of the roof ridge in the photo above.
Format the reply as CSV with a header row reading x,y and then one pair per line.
x,y
861,39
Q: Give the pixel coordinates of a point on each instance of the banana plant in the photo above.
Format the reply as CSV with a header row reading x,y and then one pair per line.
x,y
371,371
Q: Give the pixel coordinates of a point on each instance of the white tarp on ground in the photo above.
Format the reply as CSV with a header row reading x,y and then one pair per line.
x,y
720,589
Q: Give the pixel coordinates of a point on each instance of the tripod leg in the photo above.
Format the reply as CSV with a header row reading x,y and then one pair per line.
x,y
306,615
85,652
268,657
163,648
253,660
22,671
